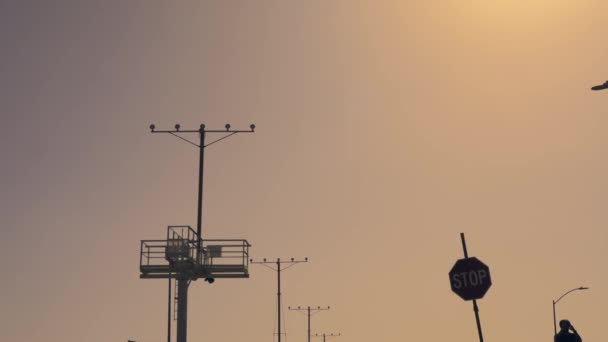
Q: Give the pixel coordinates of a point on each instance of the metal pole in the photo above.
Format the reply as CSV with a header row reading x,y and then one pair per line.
x,y
169,311
182,308
475,307
279,296
309,324
464,246
199,221
554,320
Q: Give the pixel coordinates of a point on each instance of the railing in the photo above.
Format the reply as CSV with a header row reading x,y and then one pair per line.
x,y
218,252
181,244
179,253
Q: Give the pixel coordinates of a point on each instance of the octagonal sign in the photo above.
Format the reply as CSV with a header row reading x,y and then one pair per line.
x,y
470,278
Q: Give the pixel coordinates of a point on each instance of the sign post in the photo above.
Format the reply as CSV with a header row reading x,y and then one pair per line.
x,y
470,280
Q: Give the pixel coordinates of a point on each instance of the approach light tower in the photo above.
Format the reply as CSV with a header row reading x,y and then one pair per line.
x,y
310,311
184,254
278,269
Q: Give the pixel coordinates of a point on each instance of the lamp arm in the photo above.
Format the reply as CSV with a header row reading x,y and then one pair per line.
x,y
564,295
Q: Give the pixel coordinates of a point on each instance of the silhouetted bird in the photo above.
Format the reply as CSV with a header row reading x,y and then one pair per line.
x,y
601,86
564,335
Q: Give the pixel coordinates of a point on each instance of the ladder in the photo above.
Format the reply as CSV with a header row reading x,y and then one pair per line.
x,y
175,299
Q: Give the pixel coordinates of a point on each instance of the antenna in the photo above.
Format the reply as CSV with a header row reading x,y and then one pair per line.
x,y
325,335
184,254
309,310
278,269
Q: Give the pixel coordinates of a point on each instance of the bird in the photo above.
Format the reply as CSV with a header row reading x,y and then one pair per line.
x,y
601,86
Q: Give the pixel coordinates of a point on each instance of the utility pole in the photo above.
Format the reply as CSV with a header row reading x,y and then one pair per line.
x,y
278,269
310,312
324,335
183,255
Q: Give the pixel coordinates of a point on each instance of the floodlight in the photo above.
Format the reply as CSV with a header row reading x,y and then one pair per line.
x,y
177,126
227,127
152,127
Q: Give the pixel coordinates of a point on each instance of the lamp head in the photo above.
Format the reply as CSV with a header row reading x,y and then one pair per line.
x,y
227,127
252,126
152,127
177,126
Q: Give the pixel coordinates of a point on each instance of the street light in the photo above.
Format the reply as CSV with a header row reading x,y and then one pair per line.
x,y
555,302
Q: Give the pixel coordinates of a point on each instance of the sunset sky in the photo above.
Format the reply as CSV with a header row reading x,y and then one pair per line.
x,y
384,129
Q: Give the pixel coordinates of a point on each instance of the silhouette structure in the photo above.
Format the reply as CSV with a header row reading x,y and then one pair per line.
x,y
601,86
310,312
184,255
564,335
560,298
278,269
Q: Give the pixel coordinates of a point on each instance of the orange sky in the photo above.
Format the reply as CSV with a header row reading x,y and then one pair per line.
x,y
385,129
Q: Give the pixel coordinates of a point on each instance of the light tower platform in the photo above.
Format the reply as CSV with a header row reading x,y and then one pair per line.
x,y
177,255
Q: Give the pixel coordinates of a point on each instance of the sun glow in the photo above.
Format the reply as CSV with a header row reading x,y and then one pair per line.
x,y
522,15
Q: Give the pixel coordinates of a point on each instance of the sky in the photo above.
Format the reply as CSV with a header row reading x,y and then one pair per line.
x,y
384,130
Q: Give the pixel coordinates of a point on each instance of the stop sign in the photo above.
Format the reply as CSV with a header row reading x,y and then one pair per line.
x,y
470,278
